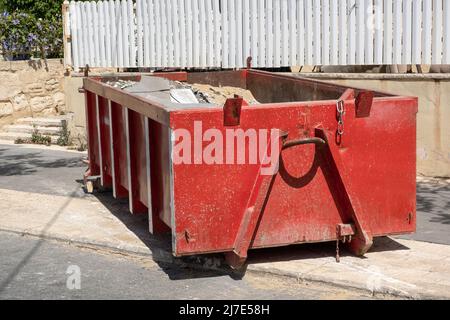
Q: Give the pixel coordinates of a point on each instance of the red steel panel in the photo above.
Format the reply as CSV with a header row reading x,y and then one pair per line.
x,y
137,171
305,203
105,141
119,142
175,76
92,133
159,148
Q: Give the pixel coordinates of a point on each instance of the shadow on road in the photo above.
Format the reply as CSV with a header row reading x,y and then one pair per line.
x,y
40,170
32,162
317,250
443,218
215,263
160,245
433,200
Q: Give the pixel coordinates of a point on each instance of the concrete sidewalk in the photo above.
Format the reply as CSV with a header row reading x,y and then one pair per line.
x,y
402,268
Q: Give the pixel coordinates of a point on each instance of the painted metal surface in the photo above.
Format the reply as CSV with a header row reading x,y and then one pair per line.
x,y
361,185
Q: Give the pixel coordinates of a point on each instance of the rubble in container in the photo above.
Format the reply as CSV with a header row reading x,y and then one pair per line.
x,y
122,84
181,92
200,96
217,95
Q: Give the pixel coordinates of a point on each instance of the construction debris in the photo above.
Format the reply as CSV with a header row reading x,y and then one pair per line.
x,y
185,96
200,96
122,84
181,92
218,95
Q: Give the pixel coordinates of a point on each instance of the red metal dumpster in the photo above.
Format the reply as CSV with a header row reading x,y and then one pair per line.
x,y
342,162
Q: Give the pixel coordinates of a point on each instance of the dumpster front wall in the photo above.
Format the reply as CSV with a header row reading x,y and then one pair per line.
x,y
305,202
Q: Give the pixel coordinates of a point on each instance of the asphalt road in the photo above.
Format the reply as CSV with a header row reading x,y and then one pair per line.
x,y
41,170
32,268
433,213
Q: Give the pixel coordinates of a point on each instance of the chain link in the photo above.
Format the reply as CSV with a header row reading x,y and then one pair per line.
x,y
340,107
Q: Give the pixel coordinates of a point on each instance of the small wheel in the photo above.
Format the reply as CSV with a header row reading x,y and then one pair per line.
x,y
89,187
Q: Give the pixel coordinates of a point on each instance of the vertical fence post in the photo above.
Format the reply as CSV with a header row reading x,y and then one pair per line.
x,y
388,20
437,32
67,41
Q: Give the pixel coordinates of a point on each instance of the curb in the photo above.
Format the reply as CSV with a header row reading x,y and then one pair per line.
x,y
352,286
83,242
159,255
216,263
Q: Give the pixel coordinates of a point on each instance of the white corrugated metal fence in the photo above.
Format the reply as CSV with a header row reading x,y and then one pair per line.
x,y
275,33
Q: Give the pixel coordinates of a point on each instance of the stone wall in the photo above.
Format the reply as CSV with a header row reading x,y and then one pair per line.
x,y
31,88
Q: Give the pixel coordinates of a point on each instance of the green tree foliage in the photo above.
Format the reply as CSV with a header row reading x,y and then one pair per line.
x,y
22,36
31,28
44,9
